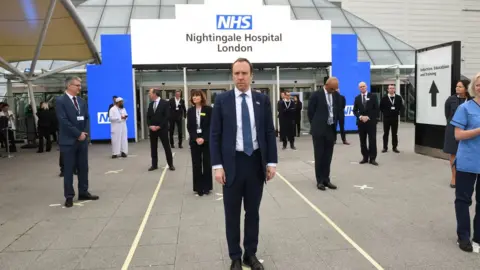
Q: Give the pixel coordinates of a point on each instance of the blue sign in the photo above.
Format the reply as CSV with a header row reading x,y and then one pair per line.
x,y
234,22
114,77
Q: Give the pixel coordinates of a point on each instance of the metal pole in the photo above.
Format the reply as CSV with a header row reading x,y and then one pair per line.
x,y
134,89
33,102
277,93
142,112
7,144
397,88
43,34
274,103
185,97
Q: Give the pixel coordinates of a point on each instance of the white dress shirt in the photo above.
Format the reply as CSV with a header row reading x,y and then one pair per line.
x,y
177,103
11,119
329,98
155,104
238,109
71,99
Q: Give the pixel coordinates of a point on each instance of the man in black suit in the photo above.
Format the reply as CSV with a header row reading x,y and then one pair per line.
x,y
390,106
365,109
322,110
286,119
298,114
340,120
244,156
73,118
177,113
157,120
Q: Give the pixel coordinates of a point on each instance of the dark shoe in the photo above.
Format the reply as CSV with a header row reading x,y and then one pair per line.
x,y
363,161
171,168
236,265
321,186
68,202
206,192
253,262
114,156
153,168
172,146
180,146
124,155
465,245
385,150
200,193
88,197
331,186
346,143
373,162
293,147
284,147
452,186
396,150
61,174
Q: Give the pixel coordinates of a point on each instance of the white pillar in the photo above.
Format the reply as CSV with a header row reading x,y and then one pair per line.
x,y
134,89
397,86
185,97
277,96
142,112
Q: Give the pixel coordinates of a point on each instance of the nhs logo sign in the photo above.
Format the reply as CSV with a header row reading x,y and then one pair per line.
x,y
349,110
102,118
234,22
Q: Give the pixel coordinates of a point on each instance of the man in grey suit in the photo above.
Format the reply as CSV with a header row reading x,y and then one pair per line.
x,y
73,121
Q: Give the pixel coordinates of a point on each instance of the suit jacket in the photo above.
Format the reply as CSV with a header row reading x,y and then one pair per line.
x,y
160,116
70,125
298,110
386,106
341,104
318,114
181,112
370,109
223,132
205,117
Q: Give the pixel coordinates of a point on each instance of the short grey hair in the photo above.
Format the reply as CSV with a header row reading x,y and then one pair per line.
x,y
70,79
471,88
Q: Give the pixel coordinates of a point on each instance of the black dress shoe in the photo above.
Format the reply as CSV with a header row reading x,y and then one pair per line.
x,y
180,146
172,146
373,162
153,168
331,186
236,265
293,147
114,156
124,155
61,174
452,186
321,186
253,262
396,150
465,245
363,161
385,150
68,202
171,168
88,197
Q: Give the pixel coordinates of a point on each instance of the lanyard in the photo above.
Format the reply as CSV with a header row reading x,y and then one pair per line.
x,y
289,103
392,101
198,118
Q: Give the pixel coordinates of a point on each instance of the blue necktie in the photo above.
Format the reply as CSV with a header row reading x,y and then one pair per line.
x,y
246,128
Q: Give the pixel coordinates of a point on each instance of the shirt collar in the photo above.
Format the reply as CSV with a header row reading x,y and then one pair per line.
x,y
325,90
70,96
238,92
157,100
391,95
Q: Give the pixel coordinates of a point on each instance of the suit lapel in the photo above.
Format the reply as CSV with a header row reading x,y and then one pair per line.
x,y
70,104
230,102
255,108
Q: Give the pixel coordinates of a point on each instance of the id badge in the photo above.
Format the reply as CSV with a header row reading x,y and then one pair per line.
x,y
80,118
199,130
177,108
393,108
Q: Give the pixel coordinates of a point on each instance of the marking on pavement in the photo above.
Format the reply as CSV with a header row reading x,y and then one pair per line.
x,y
247,268
80,204
329,221
134,246
363,187
219,198
116,171
311,161
354,162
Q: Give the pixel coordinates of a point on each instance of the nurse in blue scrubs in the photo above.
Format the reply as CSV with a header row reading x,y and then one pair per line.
x,y
467,131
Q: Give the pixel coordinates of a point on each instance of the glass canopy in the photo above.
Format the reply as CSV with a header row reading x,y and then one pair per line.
x,y
113,17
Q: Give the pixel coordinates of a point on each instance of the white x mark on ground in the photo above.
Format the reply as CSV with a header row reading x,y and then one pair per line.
x,y
116,171
363,187
79,204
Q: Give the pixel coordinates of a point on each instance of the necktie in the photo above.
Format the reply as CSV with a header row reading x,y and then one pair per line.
x,y
75,103
246,128
330,112
363,100
154,106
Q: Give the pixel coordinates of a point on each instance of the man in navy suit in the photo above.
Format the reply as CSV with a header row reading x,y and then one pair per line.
x,y
244,156
73,121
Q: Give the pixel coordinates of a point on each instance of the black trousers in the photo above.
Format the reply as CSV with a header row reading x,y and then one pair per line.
x,y
297,125
178,123
163,136
44,134
390,123
323,153
247,185
75,156
201,166
368,130
341,122
62,165
3,138
465,185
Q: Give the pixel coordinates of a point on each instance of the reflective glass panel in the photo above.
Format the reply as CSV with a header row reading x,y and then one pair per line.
x,y
323,3
195,1
167,12
147,2
109,30
363,57
335,15
383,58
356,21
301,3
41,64
145,12
372,39
406,57
119,2
277,2
305,13
395,42
116,16
172,2
90,15
94,3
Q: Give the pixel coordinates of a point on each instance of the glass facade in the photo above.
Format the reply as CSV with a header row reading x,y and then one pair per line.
x,y
113,17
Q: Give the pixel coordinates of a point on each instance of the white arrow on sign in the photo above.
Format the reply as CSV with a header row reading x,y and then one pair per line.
x,y
117,171
363,187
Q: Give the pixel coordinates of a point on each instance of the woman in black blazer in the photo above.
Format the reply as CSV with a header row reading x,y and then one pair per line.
x,y
198,125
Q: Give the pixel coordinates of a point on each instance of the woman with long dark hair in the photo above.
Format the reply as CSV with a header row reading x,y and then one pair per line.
x,y
451,104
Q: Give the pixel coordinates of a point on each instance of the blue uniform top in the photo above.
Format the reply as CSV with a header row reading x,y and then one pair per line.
x,y
467,117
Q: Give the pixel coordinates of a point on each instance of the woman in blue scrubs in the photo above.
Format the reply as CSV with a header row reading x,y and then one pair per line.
x,y
467,131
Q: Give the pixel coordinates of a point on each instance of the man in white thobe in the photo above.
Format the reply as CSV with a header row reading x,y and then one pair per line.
x,y
118,122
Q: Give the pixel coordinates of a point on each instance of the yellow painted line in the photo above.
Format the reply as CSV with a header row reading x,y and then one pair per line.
x,y
329,221
134,246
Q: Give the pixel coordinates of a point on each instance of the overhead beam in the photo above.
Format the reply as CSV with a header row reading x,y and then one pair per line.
x,y
12,69
60,69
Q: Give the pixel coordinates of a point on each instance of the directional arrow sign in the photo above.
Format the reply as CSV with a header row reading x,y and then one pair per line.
x,y
433,92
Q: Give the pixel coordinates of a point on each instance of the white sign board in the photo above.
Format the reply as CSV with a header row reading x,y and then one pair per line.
x,y
219,32
434,82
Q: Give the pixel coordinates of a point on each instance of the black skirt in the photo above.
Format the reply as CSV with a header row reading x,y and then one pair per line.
x,y
450,145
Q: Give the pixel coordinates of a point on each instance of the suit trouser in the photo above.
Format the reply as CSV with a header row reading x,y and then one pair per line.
x,y
297,125
177,122
44,134
163,135
390,122
323,153
75,155
465,185
201,167
341,123
247,184
368,129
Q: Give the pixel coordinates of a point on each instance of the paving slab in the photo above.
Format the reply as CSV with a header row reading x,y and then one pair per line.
x,y
399,214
